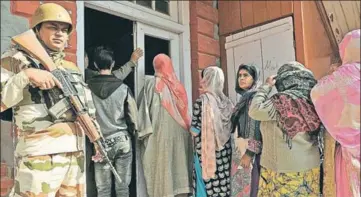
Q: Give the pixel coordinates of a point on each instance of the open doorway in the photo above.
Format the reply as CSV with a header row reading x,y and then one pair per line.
x,y
117,33
112,31
153,46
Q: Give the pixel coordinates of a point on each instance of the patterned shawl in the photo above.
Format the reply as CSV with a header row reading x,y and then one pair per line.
x,y
294,108
172,92
240,119
216,116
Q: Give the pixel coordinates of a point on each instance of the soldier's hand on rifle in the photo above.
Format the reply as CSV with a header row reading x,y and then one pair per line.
x,y
42,79
138,53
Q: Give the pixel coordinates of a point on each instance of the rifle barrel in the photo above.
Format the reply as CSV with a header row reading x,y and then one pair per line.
x,y
103,152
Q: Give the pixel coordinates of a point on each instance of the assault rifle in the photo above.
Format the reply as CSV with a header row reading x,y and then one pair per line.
x,y
69,99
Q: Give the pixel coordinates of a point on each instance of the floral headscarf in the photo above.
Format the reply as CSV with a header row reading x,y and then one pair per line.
x,y
294,108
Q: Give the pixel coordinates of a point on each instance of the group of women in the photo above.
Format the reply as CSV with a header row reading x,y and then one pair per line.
x,y
268,144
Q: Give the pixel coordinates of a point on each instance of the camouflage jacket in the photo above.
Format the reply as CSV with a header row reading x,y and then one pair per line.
x,y
39,133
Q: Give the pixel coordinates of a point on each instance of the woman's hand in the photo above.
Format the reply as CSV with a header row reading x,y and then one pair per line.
x,y
246,161
271,81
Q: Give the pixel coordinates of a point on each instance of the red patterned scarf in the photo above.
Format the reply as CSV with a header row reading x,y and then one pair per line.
x,y
295,110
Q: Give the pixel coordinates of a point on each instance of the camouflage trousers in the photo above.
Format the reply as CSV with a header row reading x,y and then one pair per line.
x,y
60,175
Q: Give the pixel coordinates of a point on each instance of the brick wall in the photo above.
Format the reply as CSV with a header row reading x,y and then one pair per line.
x,y
7,158
7,181
204,39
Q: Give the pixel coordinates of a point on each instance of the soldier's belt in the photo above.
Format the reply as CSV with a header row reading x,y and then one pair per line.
x,y
112,141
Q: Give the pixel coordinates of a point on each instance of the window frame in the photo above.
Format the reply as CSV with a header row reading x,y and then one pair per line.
x,y
173,9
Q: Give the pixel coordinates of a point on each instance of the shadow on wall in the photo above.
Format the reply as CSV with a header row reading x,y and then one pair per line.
x,y
11,25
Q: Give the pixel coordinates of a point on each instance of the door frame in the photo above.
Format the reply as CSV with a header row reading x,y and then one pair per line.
x,y
136,13
143,30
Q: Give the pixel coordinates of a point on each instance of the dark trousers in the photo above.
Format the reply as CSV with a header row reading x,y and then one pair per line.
x,y
256,170
91,190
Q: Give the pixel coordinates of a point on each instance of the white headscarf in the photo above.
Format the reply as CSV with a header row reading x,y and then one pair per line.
x,y
213,80
216,118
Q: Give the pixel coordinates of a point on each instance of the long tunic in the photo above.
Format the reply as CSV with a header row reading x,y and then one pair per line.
x,y
165,147
220,184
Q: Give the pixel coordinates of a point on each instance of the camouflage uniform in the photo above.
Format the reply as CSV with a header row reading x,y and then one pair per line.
x,y
50,151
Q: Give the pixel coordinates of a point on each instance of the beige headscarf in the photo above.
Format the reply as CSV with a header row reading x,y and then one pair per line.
x,y
216,119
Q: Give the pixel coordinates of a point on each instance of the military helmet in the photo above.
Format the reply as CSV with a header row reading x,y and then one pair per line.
x,y
51,12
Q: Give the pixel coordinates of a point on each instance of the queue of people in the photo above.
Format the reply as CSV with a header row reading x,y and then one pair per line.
x,y
263,145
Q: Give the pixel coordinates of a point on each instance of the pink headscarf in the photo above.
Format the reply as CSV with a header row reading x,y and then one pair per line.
x,y
349,47
337,96
337,101
172,92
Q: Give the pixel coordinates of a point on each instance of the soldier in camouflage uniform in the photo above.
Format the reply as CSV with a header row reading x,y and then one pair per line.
x,y
50,152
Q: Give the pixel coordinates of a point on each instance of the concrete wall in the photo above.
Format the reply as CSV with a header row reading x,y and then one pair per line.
x,y
10,25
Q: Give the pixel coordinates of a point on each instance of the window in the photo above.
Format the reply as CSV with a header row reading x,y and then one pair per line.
x,y
164,7
144,3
